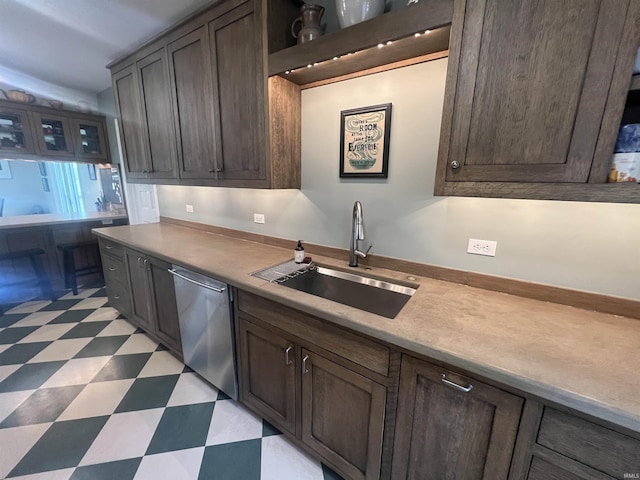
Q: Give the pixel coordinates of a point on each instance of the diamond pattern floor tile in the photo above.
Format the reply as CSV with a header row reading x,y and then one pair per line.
x,y
29,376
43,406
61,446
125,435
182,427
182,464
112,403
120,470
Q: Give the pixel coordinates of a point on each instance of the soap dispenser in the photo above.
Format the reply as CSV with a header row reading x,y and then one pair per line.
x,y
298,253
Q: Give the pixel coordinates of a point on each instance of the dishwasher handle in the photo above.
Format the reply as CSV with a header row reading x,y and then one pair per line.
x,y
191,280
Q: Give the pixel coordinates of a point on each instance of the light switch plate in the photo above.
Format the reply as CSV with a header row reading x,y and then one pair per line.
x,y
258,218
189,208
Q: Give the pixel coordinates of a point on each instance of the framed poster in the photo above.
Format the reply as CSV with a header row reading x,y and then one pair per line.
x,y
364,141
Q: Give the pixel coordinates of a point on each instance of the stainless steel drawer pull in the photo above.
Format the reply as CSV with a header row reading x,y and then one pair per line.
x,y
287,360
304,364
116,297
200,284
108,247
466,389
111,269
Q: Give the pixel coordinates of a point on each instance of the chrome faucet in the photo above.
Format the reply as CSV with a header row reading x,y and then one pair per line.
x,y
357,233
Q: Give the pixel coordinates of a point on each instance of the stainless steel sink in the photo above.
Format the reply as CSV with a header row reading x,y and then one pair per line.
x,y
365,293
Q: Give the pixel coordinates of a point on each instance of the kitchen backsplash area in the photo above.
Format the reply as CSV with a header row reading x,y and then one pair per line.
x,y
585,246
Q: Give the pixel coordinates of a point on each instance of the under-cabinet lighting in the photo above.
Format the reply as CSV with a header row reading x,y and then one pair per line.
x,y
309,66
427,32
380,45
336,58
389,42
416,34
287,72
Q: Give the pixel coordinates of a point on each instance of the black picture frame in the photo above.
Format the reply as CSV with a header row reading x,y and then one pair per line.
x,y
364,141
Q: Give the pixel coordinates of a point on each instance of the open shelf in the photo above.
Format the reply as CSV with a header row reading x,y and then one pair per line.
x,y
329,55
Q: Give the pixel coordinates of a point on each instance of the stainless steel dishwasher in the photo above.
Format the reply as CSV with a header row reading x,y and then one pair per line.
x,y
205,312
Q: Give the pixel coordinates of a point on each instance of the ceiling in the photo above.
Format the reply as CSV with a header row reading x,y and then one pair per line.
x,y
69,42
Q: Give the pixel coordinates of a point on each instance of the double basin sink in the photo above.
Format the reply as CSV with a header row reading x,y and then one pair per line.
x,y
372,295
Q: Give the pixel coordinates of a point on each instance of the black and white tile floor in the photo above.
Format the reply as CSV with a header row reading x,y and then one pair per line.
x,y
86,395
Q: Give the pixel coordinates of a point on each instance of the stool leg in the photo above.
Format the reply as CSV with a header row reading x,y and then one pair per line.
x,y
43,279
70,271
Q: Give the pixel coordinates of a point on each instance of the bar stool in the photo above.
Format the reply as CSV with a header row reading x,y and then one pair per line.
x,y
73,271
41,278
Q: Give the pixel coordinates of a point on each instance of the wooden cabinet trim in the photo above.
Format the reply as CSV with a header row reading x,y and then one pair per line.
x,y
561,468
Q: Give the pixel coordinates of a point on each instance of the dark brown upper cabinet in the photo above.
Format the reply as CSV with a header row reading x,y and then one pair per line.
x,y
33,132
134,156
15,131
90,140
191,84
238,93
233,126
157,115
534,97
53,135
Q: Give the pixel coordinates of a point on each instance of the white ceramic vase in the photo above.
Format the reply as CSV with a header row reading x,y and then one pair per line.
x,y
351,12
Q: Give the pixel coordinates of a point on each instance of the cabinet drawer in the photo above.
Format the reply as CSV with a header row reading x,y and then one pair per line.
x,y
590,444
360,350
111,248
119,297
113,269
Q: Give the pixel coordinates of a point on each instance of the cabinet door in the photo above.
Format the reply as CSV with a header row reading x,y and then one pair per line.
x,y
90,140
157,113
342,416
527,87
163,300
15,131
452,427
190,73
239,93
53,135
268,375
141,312
125,86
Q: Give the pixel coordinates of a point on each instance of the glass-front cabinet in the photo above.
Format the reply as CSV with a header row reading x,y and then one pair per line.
x,y
15,131
53,135
90,142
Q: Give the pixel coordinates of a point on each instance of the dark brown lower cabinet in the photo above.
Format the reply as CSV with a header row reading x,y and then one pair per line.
x,y
268,379
333,406
342,415
452,427
153,298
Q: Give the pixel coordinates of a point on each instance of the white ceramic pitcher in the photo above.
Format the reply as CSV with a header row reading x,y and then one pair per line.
x,y
351,12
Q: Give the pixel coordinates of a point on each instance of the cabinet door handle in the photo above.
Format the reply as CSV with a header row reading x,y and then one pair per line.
x,y
139,262
466,389
116,297
146,264
108,247
287,360
111,269
304,364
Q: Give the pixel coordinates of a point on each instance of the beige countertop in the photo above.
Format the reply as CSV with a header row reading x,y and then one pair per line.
x,y
585,360
41,219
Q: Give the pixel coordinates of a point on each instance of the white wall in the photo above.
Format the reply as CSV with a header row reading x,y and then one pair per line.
x,y
586,246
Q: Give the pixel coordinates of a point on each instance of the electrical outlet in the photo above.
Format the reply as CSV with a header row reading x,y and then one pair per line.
x,y
482,247
258,218
189,208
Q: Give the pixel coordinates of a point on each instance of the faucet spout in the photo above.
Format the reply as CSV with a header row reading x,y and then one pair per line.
x,y
357,233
